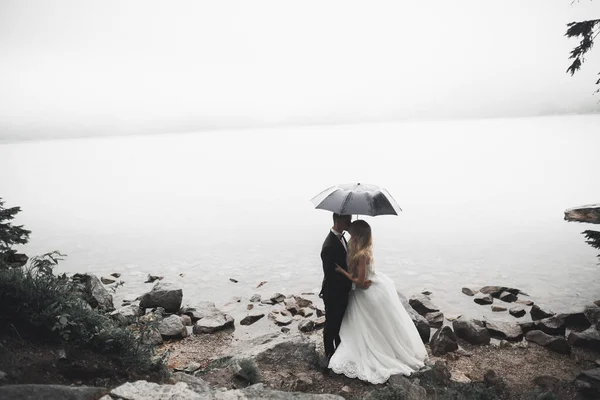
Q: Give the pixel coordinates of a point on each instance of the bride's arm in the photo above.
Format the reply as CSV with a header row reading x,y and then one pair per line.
x,y
360,280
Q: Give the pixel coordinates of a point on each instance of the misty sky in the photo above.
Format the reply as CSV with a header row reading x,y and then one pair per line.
x,y
106,67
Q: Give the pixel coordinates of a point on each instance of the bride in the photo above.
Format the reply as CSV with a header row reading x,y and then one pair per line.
x,y
378,338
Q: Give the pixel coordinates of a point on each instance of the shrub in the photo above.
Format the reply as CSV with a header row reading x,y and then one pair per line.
x,y
249,371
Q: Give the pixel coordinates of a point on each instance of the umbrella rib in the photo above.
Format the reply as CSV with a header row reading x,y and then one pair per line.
x,y
346,201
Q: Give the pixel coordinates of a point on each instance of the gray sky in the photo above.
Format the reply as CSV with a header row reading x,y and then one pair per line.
x,y
109,67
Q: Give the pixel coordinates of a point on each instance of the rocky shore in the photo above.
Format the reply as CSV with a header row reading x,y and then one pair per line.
x,y
270,347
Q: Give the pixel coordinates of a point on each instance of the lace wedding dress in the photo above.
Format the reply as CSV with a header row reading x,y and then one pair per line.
x,y
378,338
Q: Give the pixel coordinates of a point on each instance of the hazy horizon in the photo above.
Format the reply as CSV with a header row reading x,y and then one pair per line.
x,y
82,68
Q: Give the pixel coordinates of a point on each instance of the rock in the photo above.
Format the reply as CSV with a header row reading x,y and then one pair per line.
x,y
299,354
186,320
319,322
127,315
410,390
285,329
346,389
443,341
452,317
306,325
50,392
490,378
498,308
577,321
537,313
213,323
420,322
546,382
93,291
255,298
597,362
302,302
591,379
524,302
554,325
435,319
508,297
151,337
260,284
203,309
277,298
266,301
483,299
517,312
249,307
471,330
283,320
459,377
252,318
422,304
236,299
439,373
152,278
470,291
593,315
319,311
527,326
426,292
597,303
139,390
198,385
494,291
233,280
306,312
107,281
291,306
555,343
589,339
115,275
172,327
165,295
3,377
504,330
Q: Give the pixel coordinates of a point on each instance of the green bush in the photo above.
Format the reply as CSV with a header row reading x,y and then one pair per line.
x,y
44,306
249,371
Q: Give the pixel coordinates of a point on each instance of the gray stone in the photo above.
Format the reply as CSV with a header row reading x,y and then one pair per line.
x,y
483,299
306,325
592,380
255,298
517,312
203,309
143,390
50,392
422,304
493,291
172,327
593,315
283,320
527,326
3,376
152,337
165,295
525,302
277,298
537,313
186,320
504,330
498,308
471,330
127,315
555,343
508,297
319,322
302,302
306,312
107,281
589,339
298,353
94,292
252,318
546,382
115,275
470,291
443,341
554,325
198,385
213,323
435,319
418,320
411,390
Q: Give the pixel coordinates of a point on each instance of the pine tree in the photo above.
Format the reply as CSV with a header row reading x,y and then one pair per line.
x,y
11,235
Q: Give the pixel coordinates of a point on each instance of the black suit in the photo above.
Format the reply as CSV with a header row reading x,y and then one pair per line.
x,y
335,290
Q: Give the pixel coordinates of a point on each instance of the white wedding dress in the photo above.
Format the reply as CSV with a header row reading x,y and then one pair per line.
x,y
378,337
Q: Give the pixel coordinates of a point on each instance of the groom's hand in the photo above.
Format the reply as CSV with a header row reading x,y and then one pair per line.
x,y
366,284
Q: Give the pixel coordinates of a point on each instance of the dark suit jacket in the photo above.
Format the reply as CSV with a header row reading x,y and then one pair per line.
x,y
334,284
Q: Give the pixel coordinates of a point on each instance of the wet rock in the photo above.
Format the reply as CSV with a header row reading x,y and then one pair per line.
x,y
577,321
527,326
252,318
306,312
213,323
255,298
277,298
555,343
302,302
471,330
127,315
115,275
537,313
426,292
202,309
107,281
593,315
233,280
152,278
306,325
498,308
319,322
483,299
554,325
172,327
470,291
165,295
493,291
418,320
435,319
504,330
589,339
422,304
517,312
443,341
525,302
508,297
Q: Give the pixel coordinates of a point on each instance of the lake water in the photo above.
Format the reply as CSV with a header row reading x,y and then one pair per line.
x,y
482,202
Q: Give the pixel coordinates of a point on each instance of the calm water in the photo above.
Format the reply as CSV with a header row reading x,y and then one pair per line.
x,y
483,204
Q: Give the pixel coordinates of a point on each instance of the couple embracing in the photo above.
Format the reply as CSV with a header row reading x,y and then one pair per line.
x,y
368,334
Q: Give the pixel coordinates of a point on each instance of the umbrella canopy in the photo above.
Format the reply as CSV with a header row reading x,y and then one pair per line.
x,y
356,199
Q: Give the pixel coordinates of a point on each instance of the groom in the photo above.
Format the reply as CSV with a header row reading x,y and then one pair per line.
x,y
336,287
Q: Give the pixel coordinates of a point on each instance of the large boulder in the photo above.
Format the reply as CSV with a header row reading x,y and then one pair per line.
x,y
420,322
297,353
554,325
504,330
435,319
172,327
593,315
555,343
494,291
589,383
410,389
422,304
471,330
213,323
165,295
517,311
537,313
127,315
93,291
443,341
483,299
589,339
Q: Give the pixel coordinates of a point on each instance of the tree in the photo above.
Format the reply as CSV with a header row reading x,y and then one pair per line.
x,y
11,235
587,31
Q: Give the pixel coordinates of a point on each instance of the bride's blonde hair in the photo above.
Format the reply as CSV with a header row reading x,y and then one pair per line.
x,y
360,244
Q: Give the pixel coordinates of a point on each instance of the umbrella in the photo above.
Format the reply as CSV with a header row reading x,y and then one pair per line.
x,y
359,199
